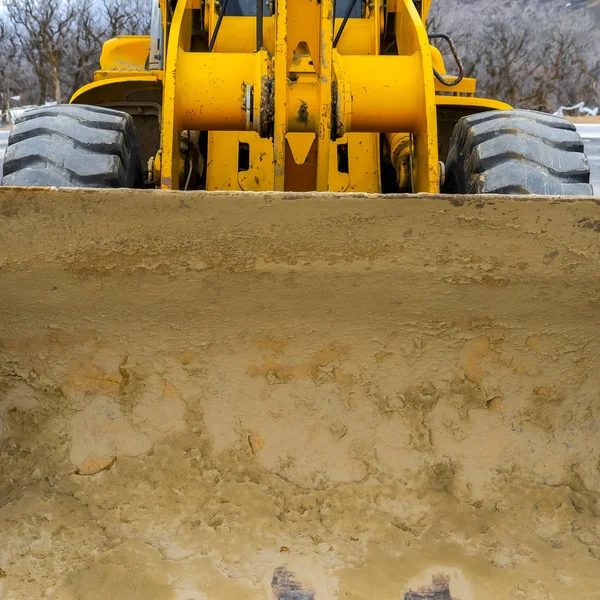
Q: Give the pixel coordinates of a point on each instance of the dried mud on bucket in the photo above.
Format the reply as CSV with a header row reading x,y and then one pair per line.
x,y
240,396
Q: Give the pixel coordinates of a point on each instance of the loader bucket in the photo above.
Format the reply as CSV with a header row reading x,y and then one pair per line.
x,y
298,397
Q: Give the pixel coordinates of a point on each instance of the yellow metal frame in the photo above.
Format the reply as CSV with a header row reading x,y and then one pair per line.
x,y
476,104
123,70
322,97
114,89
308,115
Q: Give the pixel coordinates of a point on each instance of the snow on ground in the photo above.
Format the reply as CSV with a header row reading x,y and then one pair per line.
x,y
590,132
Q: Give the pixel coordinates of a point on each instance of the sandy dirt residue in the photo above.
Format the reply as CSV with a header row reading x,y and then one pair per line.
x,y
422,424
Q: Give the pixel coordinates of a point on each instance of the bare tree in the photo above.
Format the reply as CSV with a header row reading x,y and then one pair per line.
x,y
126,18
523,58
95,24
8,57
43,26
16,77
89,31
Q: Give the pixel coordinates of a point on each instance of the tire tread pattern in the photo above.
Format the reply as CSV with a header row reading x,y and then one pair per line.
x,y
73,145
517,152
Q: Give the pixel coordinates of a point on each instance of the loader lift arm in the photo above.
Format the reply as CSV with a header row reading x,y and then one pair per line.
x,y
310,96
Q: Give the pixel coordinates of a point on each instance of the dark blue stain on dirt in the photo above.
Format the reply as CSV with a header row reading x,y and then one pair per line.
x,y
285,587
439,590
428,595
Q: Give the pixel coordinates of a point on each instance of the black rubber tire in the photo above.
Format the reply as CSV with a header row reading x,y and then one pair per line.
x,y
516,152
73,145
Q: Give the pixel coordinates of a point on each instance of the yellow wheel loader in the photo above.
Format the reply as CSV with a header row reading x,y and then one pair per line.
x,y
355,356
328,96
